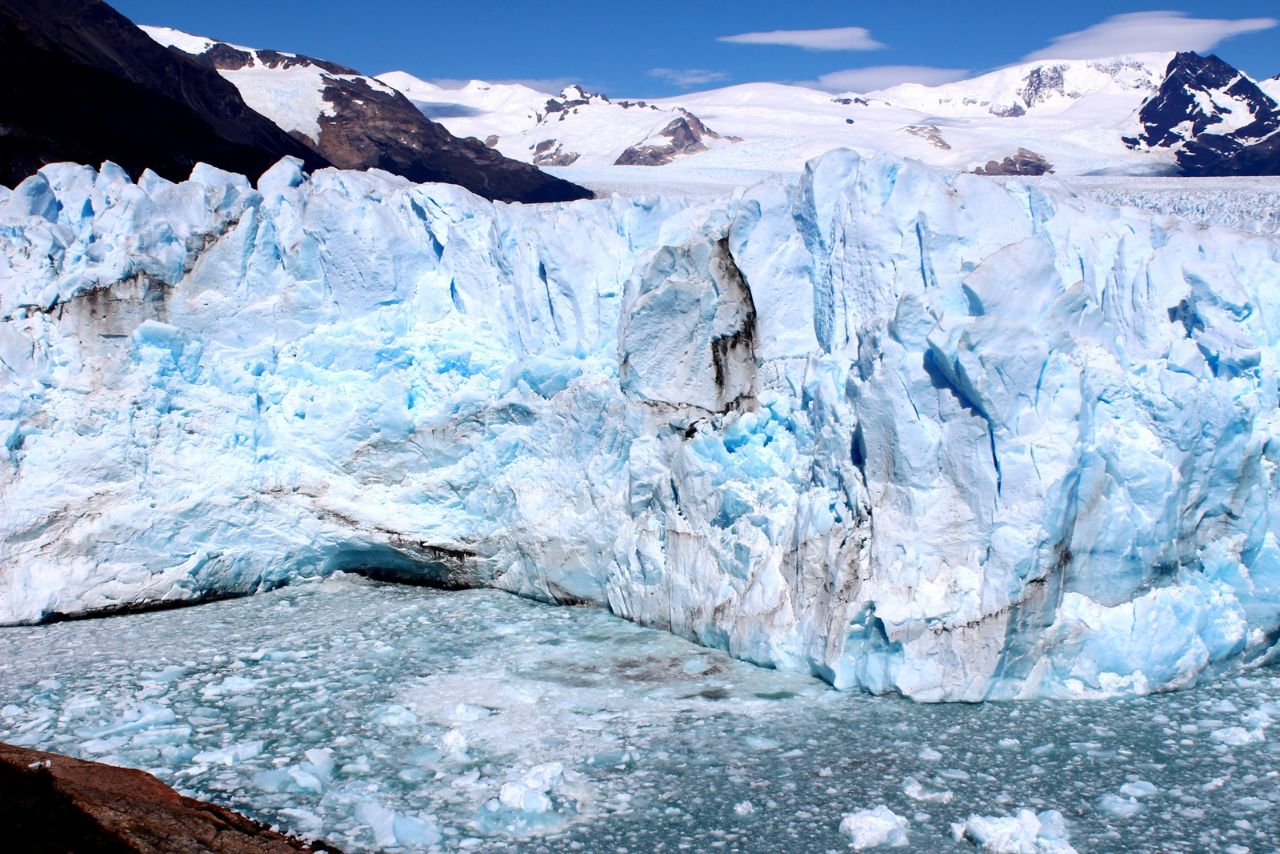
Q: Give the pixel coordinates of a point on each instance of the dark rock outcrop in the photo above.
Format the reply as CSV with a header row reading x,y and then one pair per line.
x,y
684,135
1022,162
551,153
52,804
1198,96
368,125
1190,102
83,83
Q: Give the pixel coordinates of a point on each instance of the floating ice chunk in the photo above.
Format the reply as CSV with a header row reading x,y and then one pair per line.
x,y
518,796
454,742
395,716
530,793
304,822
380,821
875,828
232,754
304,780
230,685
1234,736
135,719
928,754
744,808
1119,807
321,759
1025,833
917,791
1249,803
1138,789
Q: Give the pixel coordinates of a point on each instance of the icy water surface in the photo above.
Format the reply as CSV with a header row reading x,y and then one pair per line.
x,y
394,718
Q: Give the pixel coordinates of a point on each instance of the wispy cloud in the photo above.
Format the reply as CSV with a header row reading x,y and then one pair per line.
x,y
1141,32
687,78
884,76
836,38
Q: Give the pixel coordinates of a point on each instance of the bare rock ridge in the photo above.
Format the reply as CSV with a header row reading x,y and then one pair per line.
x,y
83,83
365,124
52,804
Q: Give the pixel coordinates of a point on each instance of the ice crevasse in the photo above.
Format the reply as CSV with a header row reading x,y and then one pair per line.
x,y
908,430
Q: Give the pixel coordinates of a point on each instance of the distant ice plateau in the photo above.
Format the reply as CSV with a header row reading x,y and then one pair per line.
x,y
912,431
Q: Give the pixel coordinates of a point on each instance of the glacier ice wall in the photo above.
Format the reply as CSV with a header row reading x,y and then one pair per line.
x,y
907,430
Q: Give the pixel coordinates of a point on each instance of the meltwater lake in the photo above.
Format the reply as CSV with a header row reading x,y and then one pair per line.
x,y
391,718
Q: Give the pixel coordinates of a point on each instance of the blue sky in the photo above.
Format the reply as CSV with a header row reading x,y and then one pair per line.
x,y
661,47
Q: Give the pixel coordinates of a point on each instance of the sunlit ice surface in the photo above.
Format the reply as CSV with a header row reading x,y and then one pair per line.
x,y
382,717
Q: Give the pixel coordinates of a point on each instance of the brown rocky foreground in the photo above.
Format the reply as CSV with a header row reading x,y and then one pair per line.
x,y
53,803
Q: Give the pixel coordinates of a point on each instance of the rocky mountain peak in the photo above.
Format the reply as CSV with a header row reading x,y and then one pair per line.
x,y
1202,94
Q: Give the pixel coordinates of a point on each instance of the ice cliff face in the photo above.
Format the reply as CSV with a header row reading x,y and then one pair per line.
x,y
908,430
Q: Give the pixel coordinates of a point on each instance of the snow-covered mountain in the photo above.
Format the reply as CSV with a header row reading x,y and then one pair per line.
x,y
1122,115
573,127
1037,87
359,122
1069,116
906,429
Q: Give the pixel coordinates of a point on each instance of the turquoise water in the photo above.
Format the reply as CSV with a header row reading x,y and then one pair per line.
x,y
391,718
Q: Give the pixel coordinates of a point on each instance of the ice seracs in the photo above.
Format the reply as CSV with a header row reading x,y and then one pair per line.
x,y
909,430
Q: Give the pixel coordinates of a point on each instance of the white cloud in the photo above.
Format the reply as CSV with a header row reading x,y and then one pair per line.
x,y
1141,32
884,76
836,38
688,77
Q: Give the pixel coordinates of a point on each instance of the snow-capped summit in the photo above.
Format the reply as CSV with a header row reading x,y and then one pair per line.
x,y
1041,87
574,92
1203,94
361,122
1216,119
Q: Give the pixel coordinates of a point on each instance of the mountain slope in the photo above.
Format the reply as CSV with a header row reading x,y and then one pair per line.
x,y
83,83
359,122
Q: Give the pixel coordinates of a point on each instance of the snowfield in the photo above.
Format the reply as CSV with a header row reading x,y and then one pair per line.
x,y
1074,113
907,430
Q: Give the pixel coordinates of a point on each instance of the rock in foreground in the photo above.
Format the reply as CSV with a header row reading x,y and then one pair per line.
x,y
50,802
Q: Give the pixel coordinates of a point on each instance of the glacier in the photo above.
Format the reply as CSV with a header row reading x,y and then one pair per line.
x,y
906,430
